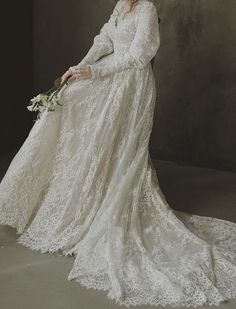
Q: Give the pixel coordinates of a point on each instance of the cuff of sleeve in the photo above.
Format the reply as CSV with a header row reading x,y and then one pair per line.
x,y
82,63
94,72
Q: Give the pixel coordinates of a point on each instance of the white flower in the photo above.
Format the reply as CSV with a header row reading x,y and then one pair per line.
x,y
30,108
36,99
45,101
41,109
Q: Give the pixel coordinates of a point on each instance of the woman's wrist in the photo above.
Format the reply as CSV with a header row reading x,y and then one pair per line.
x,y
94,72
83,63
72,69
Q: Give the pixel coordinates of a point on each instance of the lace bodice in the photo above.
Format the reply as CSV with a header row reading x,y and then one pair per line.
x,y
134,41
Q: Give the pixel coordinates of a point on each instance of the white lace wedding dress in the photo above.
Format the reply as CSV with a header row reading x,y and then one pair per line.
x,y
83,184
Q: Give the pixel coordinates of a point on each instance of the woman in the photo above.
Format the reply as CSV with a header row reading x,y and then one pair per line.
x,y
83,183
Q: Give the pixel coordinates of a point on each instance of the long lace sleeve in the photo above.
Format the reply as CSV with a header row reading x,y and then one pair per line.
x,y
102,44
143,47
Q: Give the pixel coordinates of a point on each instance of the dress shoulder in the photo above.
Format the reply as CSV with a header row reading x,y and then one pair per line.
x,y
146,8
148,4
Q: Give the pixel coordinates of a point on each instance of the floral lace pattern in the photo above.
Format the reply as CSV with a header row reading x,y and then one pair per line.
x,y
83,184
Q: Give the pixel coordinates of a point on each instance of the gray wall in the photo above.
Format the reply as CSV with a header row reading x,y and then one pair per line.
x,y
196,75
195,71
16,73
63,33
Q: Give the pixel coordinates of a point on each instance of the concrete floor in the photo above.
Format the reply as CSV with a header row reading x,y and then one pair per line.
x,y
31,280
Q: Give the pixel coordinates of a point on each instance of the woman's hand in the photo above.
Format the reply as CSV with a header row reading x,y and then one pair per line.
x,y
66,75
82,72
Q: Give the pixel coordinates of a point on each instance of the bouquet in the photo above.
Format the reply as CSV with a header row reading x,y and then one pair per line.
x,y
46,101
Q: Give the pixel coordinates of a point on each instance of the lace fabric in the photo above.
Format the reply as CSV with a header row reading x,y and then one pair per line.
x,y
128,40
83,184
